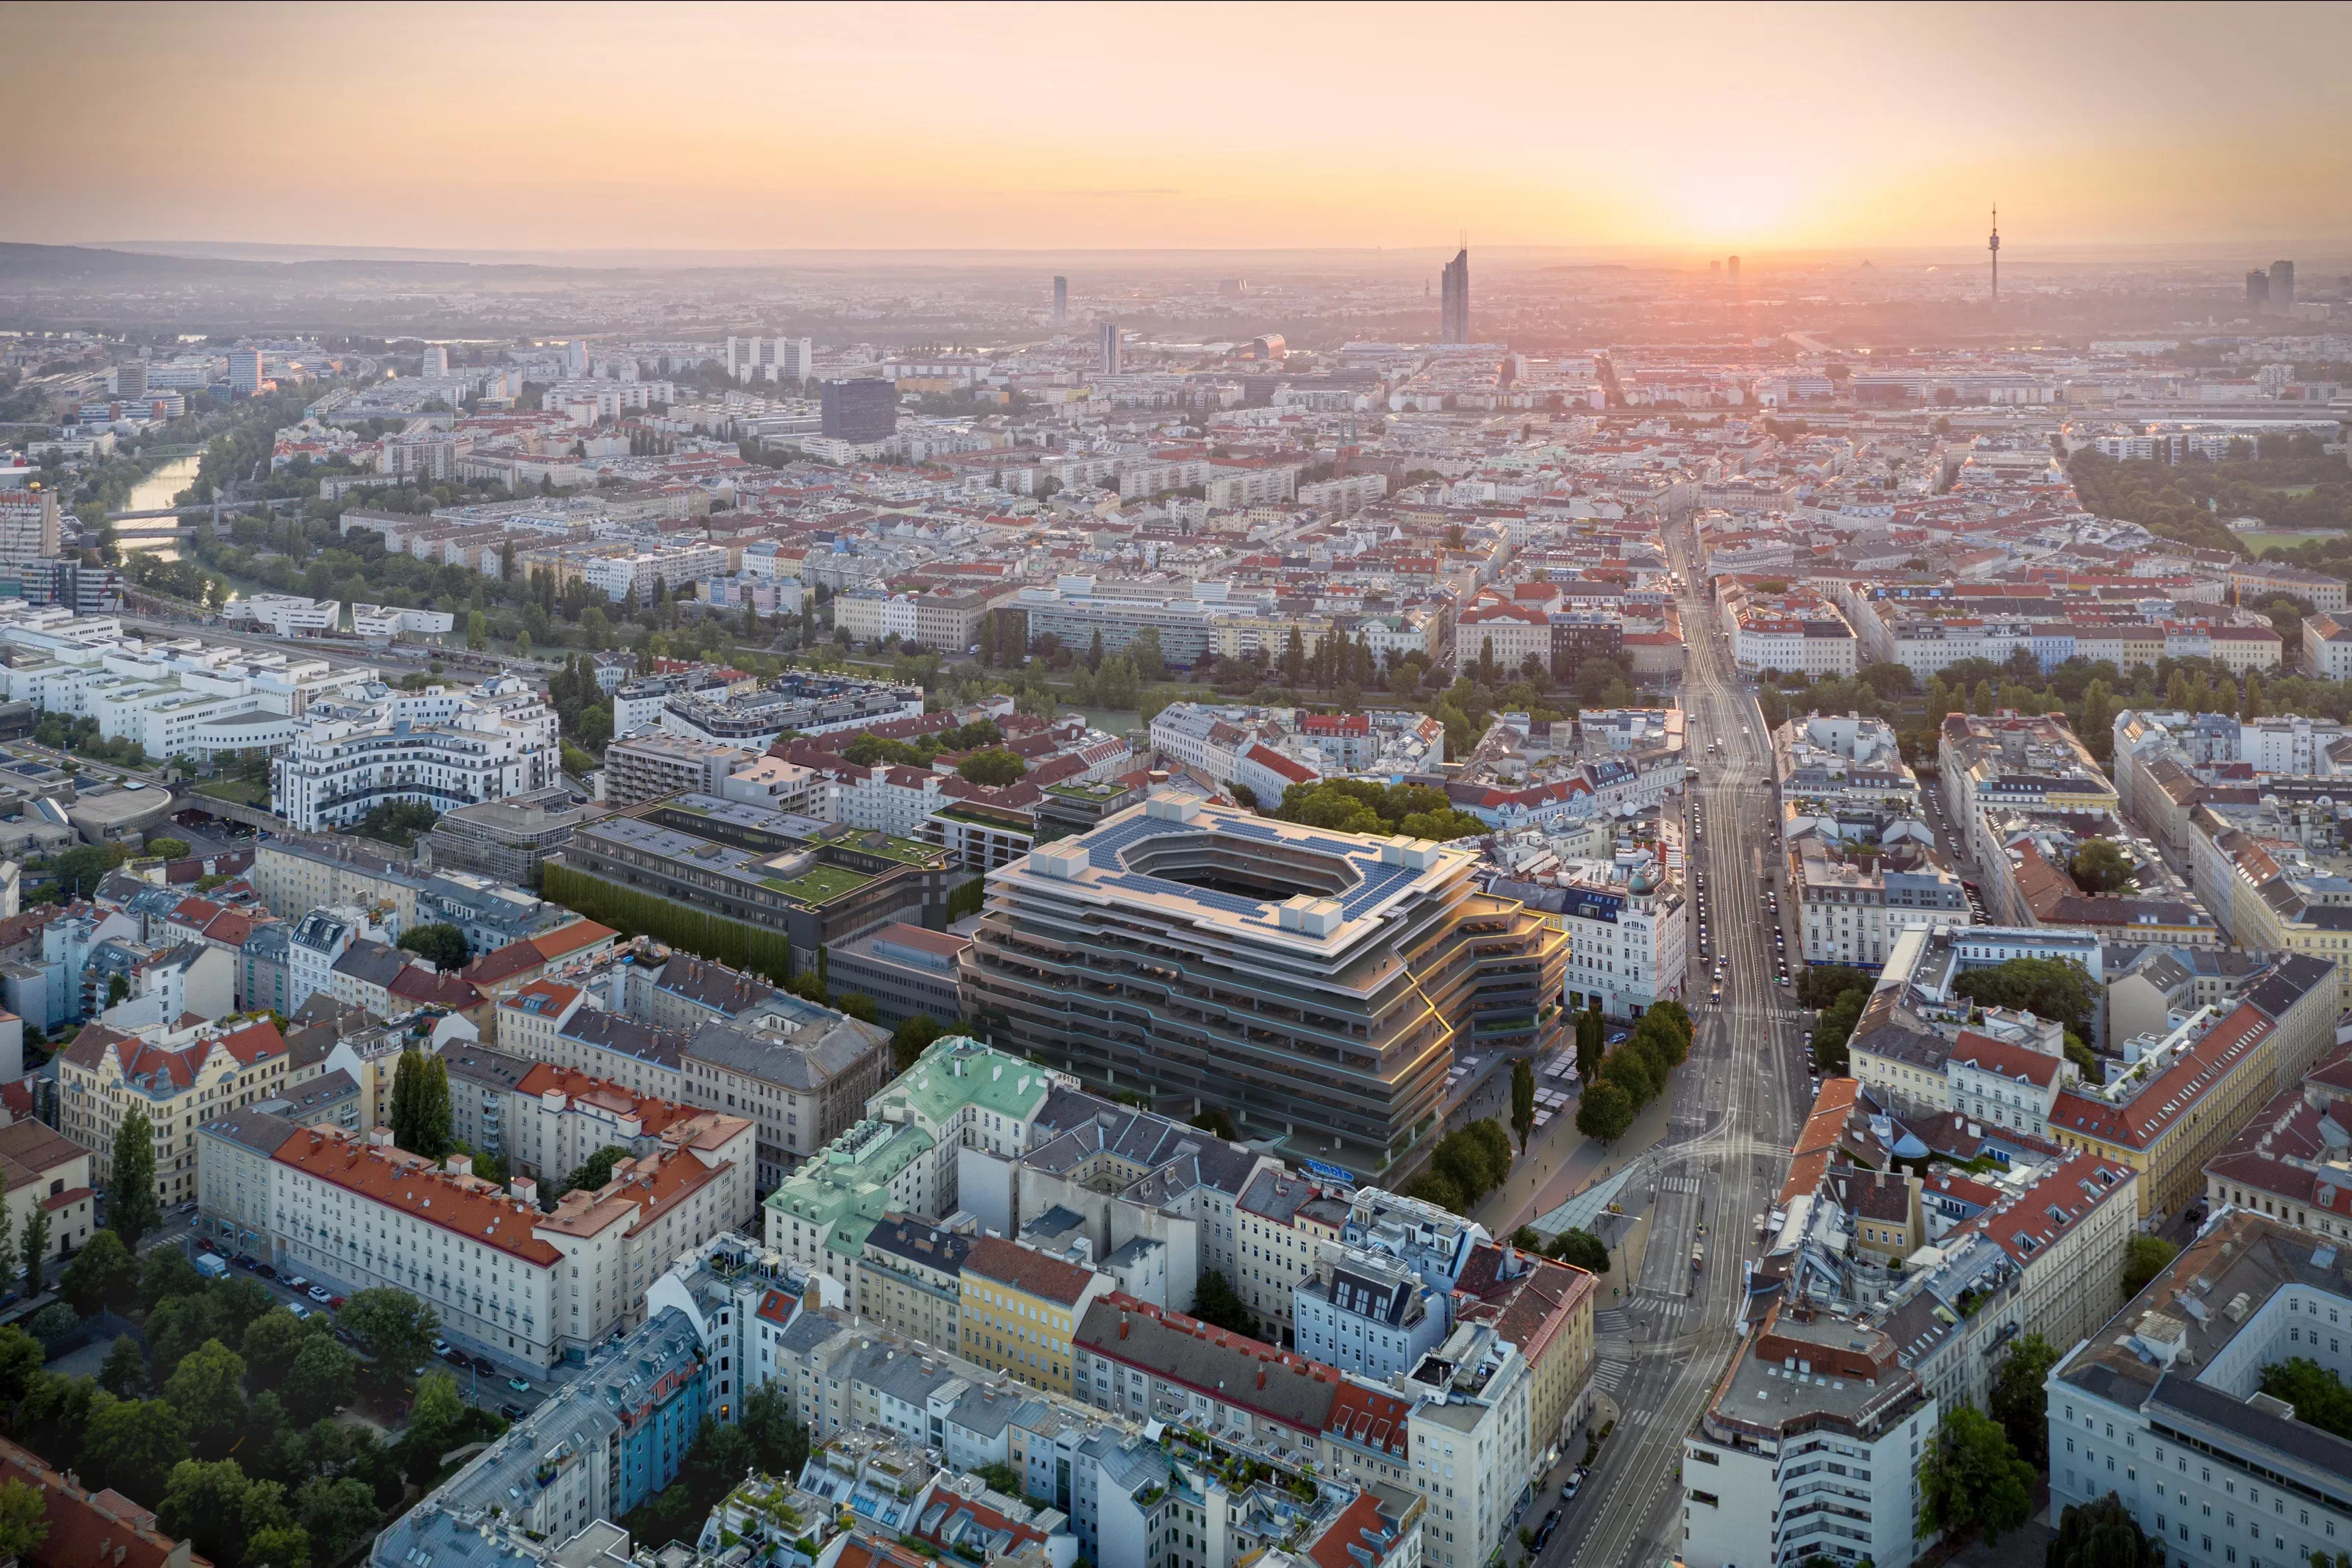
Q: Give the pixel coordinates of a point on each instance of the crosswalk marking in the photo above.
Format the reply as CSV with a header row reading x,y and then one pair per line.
x,y
1678,1183
1610,1375
1612,1320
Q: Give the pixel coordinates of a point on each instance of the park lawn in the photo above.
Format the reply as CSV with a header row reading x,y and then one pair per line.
x,y
241,791
2265,539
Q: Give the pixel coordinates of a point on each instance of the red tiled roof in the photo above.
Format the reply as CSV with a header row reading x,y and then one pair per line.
x,y
467,1205
2154,1111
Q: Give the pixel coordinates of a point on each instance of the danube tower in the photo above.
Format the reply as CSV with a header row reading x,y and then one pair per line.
x,y
1993,246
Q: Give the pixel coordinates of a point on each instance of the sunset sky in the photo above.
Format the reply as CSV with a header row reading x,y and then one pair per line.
x,y
1682,127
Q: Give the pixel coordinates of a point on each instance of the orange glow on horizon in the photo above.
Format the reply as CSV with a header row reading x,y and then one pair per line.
x,y
1702,128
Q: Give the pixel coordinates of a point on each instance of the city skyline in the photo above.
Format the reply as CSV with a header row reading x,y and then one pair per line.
x,y
2192,130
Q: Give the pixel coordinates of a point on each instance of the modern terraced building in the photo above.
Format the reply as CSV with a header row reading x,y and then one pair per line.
x,y
1314,985
817,883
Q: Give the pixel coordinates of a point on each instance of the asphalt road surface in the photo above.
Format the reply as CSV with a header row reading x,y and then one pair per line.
x,y
1738,1105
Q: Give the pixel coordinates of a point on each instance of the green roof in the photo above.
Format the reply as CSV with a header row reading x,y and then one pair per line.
x,y
818,883
846,1185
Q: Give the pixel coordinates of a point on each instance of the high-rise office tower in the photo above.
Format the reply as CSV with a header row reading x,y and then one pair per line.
x,y
1453,305
1111,347
575,357
437,361
1713,270
1731,268
1992,246
130,379
244,372
2282,286
860,412
2258,292
795,359
1061,301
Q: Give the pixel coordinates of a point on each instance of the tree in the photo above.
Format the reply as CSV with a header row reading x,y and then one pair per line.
x,y
2019,1403
391,1328
2318,1396
131,1194
440,944
2050,987
167,1272
271,1342
2145,1256
336,1512
124,1375
36,1248
204,1504
24,1518
596,1170
131,1445
1604,1112
2100,865
2104,1534
20,1362
322,1380
170,849
207,1389
1581,1249
118,989
1217,1304
1972,1478
420,1104
780,1445
1592,1037
1523,1101
992,768
911,1038
478,630
101,1276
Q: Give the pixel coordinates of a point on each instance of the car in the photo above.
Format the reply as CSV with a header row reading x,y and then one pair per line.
x,y
511,1411
337,1302
455,1356
243,1261
1568,1490
297,1309
481,1363
1543,1530
265,1270
204,1243
297,1282
440,1347
188,1207
519,1384
320,1294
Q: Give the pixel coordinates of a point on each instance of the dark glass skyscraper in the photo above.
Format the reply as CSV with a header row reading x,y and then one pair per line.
x,y
1061,302
861,411
2283,285
1454,307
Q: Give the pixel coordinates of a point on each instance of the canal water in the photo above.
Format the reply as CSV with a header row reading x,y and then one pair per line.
x,y
158,489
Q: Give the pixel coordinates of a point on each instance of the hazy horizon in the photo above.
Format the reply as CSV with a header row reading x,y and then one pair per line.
x,y
1659,130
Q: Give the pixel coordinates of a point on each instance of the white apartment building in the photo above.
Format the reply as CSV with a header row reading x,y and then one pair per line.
x,y
438,747
674,567
1809,1448
2162,1406
171,695
1628,942
285,614
1514,632
525,1287
1797,630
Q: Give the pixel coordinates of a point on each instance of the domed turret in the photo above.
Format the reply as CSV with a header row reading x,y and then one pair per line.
x,y
1644,882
